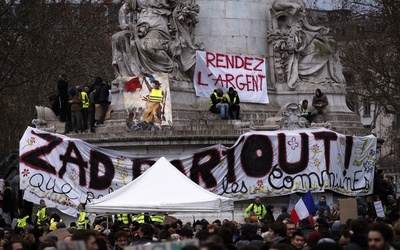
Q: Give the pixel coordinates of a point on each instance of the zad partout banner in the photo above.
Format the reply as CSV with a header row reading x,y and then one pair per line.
x,y
245,74
66,171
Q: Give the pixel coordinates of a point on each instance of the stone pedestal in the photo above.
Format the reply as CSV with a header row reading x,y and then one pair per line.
x,y
242,27
232,27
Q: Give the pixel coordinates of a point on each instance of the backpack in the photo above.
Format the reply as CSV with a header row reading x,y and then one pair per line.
x,y
262,207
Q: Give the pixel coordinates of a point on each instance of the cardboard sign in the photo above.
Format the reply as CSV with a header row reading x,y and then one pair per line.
x,y
348,210
379,209
98,111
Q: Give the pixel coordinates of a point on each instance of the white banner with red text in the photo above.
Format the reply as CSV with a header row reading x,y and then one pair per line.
x,y
245,74
66,171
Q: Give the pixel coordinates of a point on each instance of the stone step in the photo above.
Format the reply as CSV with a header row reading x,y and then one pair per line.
x,y
207,115
227,131
111,129
165,135
118,115
200,127
120,125
204,123
197,115
116,122
210,122
190,125
179,127
338,124
122,132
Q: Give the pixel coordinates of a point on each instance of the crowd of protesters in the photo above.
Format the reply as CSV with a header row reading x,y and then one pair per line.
x,y
75,104
252,234
261,228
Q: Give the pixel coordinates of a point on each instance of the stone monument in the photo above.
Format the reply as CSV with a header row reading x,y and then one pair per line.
x,y
163,36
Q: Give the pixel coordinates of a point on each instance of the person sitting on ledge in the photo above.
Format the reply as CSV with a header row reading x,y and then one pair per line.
x,y
218,104
232,98
319,103
305,113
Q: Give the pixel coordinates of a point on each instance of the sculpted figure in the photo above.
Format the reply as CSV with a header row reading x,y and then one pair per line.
x,y
303,52
156,36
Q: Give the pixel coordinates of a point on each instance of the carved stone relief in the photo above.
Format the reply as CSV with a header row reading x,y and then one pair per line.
x,y
156,36
303,53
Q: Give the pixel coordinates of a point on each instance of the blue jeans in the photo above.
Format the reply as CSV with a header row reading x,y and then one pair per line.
x,y
223,109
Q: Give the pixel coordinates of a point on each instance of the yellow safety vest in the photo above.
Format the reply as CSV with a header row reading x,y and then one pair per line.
x,y
82,220
304,111
41,216
124,218
229,98
216,96
21,222
85,100
139,218
157,218
259,211
156,95
53,224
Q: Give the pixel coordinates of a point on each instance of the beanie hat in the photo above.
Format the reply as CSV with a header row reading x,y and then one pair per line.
x,y
72,90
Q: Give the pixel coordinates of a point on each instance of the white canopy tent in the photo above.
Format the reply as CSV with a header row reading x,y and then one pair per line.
x,y
162,188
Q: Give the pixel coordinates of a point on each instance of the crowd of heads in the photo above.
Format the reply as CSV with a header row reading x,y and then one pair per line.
x,y
316,232
323,230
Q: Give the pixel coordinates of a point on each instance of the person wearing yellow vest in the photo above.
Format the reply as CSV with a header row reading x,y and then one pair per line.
x,y
157,218
23,219
153,105
305,113
218,104
256,209
54,220
232,98
147,218
142,218
83,220
85,107
125,218
42,213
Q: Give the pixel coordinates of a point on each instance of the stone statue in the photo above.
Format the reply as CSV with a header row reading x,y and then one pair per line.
x,y
302,52
288,118
47,121
156,36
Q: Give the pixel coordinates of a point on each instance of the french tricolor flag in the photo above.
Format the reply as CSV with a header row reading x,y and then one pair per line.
x,y
303,208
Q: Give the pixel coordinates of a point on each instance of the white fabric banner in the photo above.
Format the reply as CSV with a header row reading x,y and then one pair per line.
x,y
66,171
246,74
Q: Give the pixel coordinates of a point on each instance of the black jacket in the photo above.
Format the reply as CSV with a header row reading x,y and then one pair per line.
x,y
103,95
62,87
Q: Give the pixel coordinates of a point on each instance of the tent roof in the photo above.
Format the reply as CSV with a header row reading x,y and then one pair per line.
x,y
162,188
